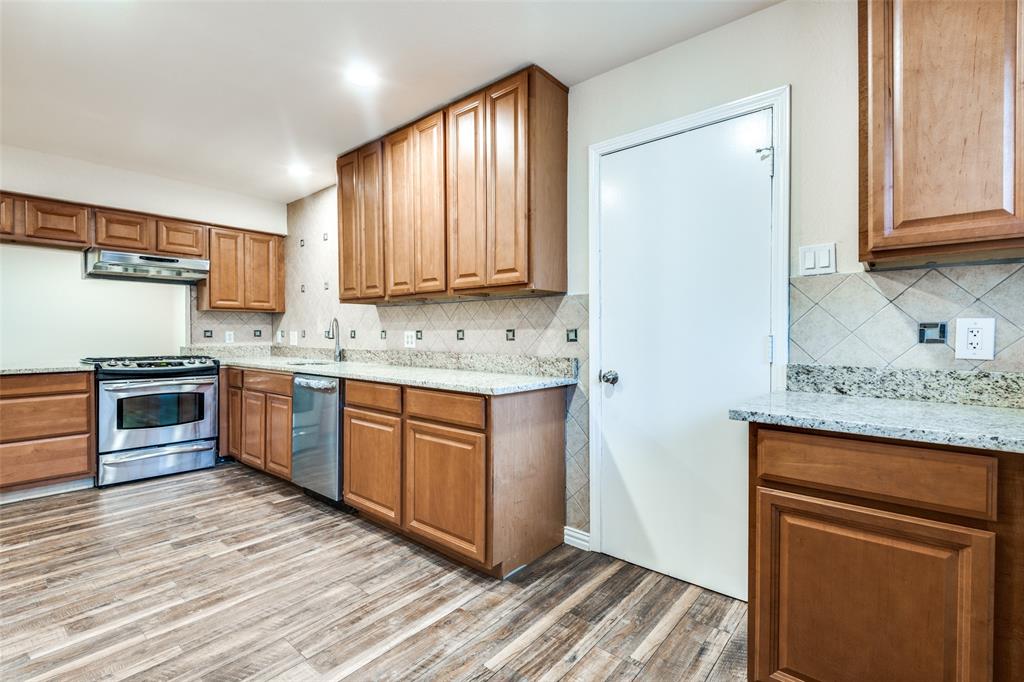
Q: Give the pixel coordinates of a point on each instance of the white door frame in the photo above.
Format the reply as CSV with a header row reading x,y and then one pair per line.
x,y
778,101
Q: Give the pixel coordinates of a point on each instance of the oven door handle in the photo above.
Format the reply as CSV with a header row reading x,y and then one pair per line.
x,y
162,452
143,385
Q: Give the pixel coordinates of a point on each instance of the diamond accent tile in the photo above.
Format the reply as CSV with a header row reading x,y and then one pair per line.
x,y
817,332
933,298
1007,298
978,280
799,304
853,302
815,287
892,283
852,352
890,333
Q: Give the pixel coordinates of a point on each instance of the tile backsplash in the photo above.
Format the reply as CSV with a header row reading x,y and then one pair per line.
x,y
870,319
247,327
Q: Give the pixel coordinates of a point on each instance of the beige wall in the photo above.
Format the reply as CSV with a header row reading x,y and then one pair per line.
x,y
60,177
50,314
809,45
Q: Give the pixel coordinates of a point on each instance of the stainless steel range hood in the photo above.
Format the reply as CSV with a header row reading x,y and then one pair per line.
x,y
140,266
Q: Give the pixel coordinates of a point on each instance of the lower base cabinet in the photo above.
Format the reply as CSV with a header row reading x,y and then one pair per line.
x,y
881,560
259,422
445,495
480,479
254,432
372,471
279,436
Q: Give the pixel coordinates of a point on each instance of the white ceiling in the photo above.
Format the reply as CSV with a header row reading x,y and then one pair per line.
x,y
228,94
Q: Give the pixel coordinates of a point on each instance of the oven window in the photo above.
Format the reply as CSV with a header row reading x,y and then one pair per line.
x,y
160,409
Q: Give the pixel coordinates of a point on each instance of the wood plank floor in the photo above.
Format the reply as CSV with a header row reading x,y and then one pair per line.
x,y
227,574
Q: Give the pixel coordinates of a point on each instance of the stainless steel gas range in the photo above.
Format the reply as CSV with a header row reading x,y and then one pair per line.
x,y
155,416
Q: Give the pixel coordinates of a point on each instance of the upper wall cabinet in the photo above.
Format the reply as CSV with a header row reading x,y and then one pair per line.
x,y
30,220
942,128
414,208
6,214
128,231
473,199
507,150
361,224
246,272
180,238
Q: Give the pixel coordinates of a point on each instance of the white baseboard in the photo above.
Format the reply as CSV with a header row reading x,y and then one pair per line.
x,y
577,538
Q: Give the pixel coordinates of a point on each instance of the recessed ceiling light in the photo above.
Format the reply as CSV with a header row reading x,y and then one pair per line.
x,y
299,170
362,76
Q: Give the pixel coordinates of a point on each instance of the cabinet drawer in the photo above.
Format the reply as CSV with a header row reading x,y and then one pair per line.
x,y
44,384
453,408
44,416
375,396
268,382
234,377
914,476
40,460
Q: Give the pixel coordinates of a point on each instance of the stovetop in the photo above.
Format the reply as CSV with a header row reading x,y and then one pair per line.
x,y
157,364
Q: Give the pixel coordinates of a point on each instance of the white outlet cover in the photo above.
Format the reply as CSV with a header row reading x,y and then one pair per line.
x,y
410,339
975,338
280,336
229,337
293,338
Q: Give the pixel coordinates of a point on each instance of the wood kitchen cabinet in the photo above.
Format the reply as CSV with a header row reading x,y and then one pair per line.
x,y
124,231
361,223
259,418
445,495
507,155
479,478
6,214
178,238
372,475
246,272
44,222
47,429
414,208
910,551
941,129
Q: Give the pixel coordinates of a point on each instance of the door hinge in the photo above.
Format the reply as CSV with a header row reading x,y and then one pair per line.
x,y
768,153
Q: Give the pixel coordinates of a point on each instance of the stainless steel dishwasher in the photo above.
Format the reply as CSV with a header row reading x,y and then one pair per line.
x,y
316,435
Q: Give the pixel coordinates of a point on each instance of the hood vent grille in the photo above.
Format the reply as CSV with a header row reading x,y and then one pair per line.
x,y
137,266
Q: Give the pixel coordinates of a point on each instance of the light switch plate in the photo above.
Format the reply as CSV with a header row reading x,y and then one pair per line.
x,y
819,259
280,336
229,337
975,338
410,339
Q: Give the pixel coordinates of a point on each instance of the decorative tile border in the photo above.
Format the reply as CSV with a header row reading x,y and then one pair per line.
x,y
974,387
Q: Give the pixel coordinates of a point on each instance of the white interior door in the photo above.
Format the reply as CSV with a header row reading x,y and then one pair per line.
x,y
685,318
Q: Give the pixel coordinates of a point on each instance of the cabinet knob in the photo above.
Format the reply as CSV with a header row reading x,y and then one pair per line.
x,y
610,377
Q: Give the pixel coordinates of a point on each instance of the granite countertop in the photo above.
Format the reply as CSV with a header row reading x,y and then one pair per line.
x,y
971,426
46,368
464,381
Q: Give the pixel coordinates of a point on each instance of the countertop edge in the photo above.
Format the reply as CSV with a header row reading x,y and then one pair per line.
x,y
60,369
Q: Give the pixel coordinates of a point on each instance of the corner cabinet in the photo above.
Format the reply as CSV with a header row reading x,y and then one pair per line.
x,y
468,201
246,272
873,559
941,128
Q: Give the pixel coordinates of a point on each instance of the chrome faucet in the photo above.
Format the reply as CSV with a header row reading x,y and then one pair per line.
x,y
334,332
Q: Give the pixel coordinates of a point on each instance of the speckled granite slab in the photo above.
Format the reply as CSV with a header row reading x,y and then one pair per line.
x,y
995,389
45,368
228,350
479,362
971,426
464,381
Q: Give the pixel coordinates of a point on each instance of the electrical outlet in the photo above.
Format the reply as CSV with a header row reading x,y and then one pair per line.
x,y
280,336
293,338
975,338
410,339
229,337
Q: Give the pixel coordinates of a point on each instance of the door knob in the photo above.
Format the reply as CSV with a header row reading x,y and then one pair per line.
x,y
610,377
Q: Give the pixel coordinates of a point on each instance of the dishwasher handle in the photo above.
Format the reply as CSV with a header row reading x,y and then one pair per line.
x,y
318,385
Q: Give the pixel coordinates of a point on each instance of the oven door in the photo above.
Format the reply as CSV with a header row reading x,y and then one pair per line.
x,y
147,412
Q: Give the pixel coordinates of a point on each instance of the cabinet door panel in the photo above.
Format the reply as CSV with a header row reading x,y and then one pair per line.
x,y
371,221
399,197
279,436
254,430
944,123
234,432
348,227
227,269
118,230
373,464
57,221
429,204
261,271
180,239
507,182
6,214
446,488
917,594
467,194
